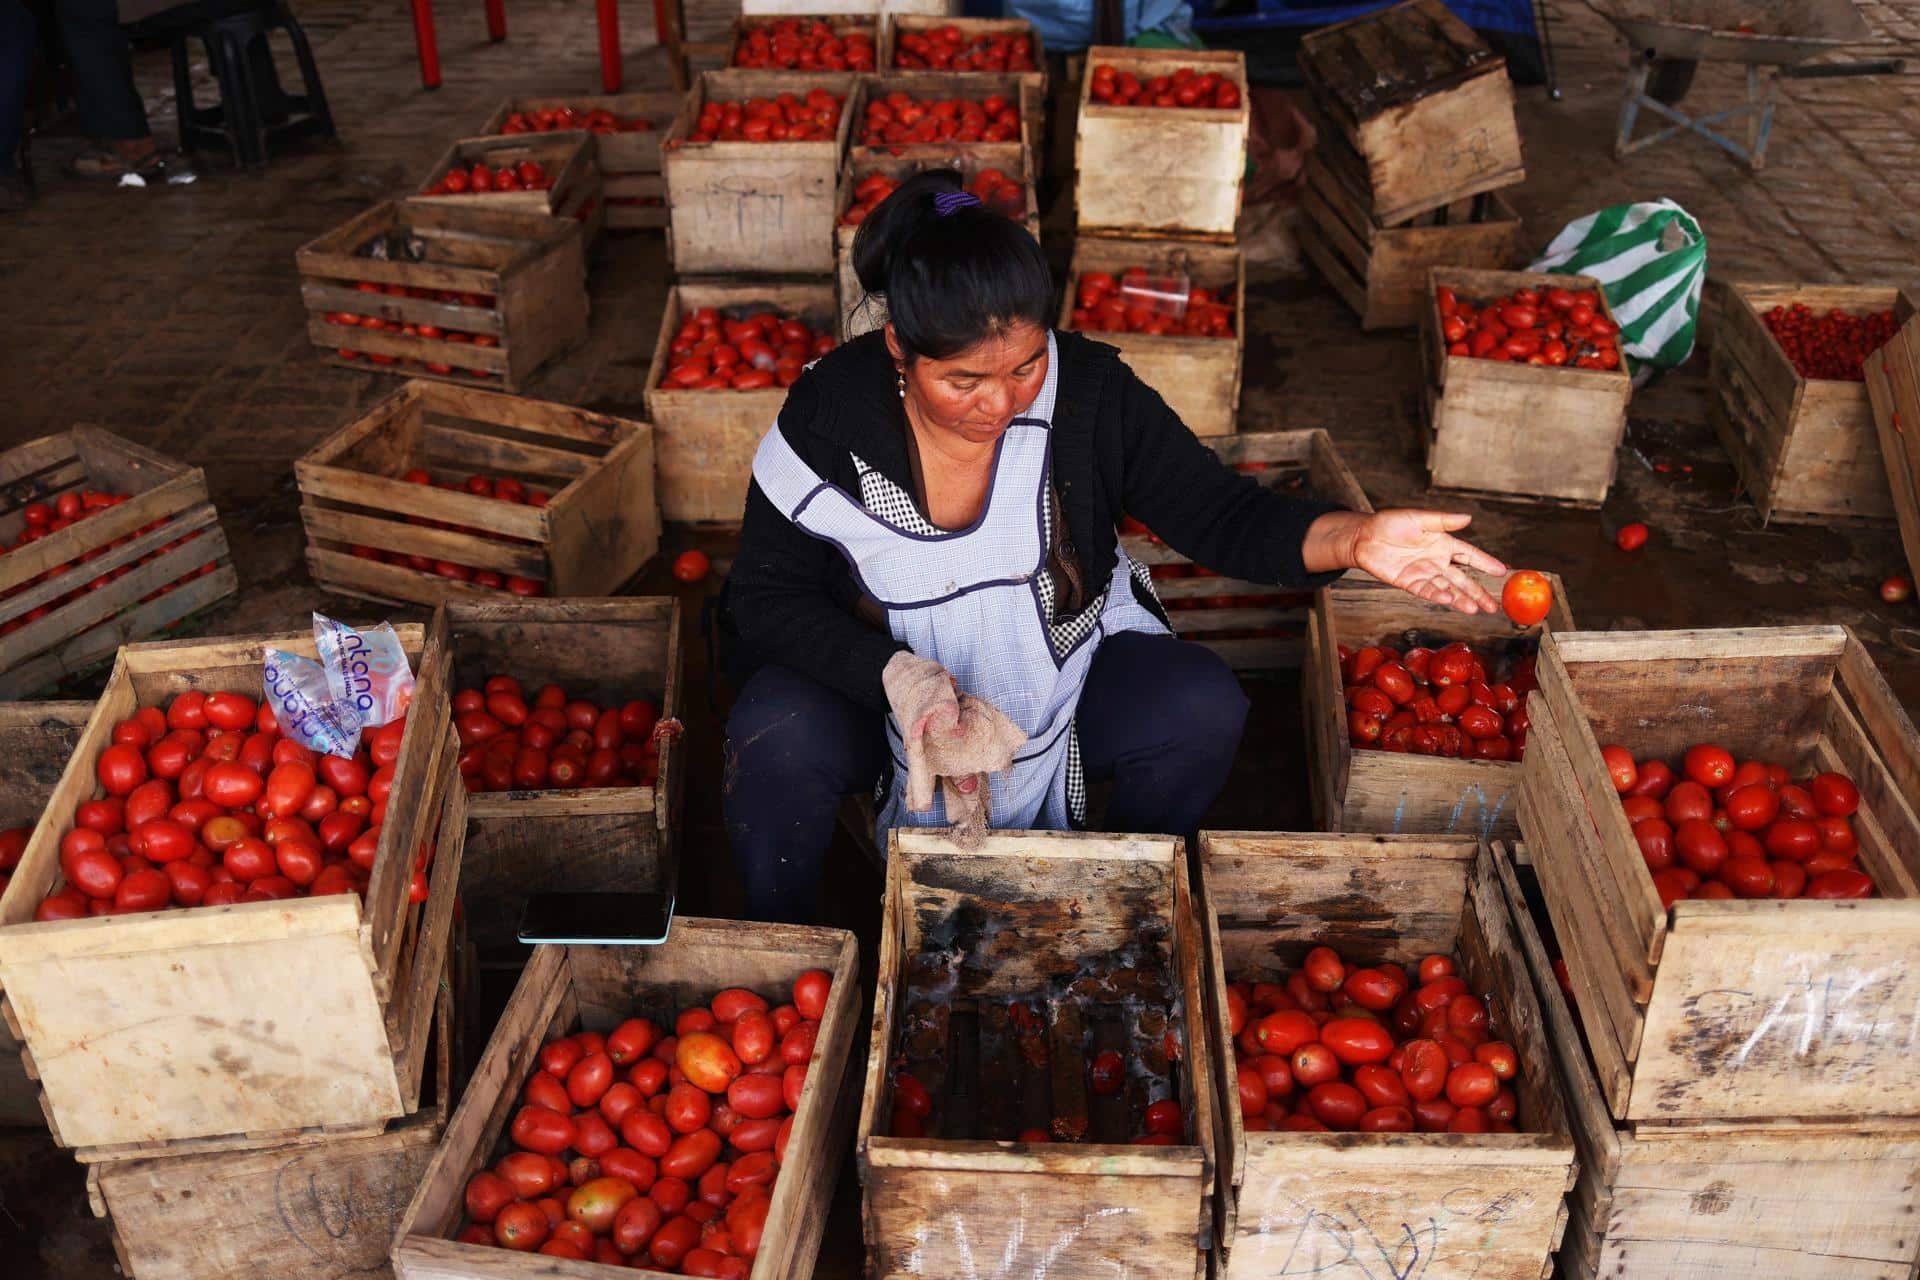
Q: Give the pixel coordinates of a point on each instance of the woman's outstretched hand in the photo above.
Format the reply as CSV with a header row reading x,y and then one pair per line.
x,y
1413,550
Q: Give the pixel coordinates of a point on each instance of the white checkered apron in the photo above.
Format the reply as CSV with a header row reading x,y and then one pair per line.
x,y
977,601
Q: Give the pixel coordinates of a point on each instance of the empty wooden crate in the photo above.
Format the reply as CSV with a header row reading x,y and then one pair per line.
x,y
1160,171
632,189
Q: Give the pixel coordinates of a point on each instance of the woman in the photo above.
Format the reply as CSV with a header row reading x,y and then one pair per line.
x,y
949,487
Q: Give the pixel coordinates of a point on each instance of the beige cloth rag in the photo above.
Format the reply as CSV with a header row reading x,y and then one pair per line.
x,y
952,738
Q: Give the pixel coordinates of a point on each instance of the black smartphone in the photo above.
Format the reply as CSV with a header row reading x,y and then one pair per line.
x,y
631,919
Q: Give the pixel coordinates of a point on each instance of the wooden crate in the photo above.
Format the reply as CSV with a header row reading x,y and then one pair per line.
x,y
1266,631
322,1005
899,24
858,313
808,8
843,25
753,207
1893,385
1820,1202
1490,1206
1518,431
1805,448
607,839
1741,1010
930,86
1422,100
596,988
523,279
706,439
1199,378
1095,937
599,526
1160,171
1394,792
632,190
71,635
567,158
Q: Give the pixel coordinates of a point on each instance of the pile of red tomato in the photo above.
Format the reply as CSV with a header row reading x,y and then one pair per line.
x,y
1100,305
557,742
1531,326
999,193
502,488
528,175
646,1149
13,843
207,804
560,119
900,119
949,49
1366,1050
787,118
715,353
1435,702
1714,829
803,44
1831,346
430,332
1184,87
41,519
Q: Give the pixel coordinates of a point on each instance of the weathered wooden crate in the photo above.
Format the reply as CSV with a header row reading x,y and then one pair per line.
x,y
880,7
933,86
567,158
898,24
522,280
1396,792
599,526
1819,1202
858,313
1893,386
632,190
705,440
1263,628
1490,1206
1739,1010
1199,378
1422,100
1160,171
753,207
843,25
1805,448
1518,431
1381,272
226,1028
158,585
1091,942
605,839
595,988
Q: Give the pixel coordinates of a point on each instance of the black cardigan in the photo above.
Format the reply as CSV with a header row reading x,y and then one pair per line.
x,y
1117,450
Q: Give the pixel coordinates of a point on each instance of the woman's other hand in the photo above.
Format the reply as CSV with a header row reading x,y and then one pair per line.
x,y
1413,550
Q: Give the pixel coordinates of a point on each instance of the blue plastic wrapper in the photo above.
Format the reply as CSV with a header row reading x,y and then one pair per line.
x,y
362,681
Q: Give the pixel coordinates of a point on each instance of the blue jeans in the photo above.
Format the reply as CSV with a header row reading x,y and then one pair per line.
x,y
1159,718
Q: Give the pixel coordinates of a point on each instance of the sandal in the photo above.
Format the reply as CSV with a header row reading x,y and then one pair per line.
x,y
152,169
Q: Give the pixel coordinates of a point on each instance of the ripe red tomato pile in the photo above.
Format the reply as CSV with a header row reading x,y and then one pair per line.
x,y
999,193
714,352
900,119
1435,702
557,119
206,804
1184,87
528,175
44,518
504,488
1714,829
1531,326
1100,305
653,1150
1366,1050
429,331
557,742
804,44
949,49
1831,346
788,118
13,843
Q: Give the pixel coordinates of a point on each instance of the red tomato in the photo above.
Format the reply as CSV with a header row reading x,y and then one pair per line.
x,y
120,769
1834,795
1527,597
1709,765
542,1130
1631,537
1357,1041
1620,768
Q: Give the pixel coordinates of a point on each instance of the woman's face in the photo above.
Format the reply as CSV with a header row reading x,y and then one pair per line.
x,y
978,392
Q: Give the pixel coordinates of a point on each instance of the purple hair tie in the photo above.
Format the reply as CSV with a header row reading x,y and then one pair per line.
x,y
948,203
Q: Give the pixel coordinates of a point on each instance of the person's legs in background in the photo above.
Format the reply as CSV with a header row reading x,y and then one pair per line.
x,y
16,66
110,106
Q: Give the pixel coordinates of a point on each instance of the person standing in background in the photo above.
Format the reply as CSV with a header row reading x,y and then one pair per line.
x,y
110,108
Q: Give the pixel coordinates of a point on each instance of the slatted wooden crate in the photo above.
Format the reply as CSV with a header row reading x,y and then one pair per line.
x,y
843,25
1421,100
1805,448
1893,385
753,207
599,526
1199,378
881,7
933,86
1741,1010
522,281
567,158
606,839
173,561
1818,1202
632,190
1090,942
595,988
899,24
1518,431
1263,628
1486,1205
200,1029
706,439
1393,792
1160,171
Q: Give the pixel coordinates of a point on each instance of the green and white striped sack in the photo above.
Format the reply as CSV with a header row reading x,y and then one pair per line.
x,y
1651,260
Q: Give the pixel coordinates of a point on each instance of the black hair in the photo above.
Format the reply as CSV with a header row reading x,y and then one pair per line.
x,y
949,281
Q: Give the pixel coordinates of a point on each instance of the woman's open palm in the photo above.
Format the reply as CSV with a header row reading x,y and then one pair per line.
x,y
1417,552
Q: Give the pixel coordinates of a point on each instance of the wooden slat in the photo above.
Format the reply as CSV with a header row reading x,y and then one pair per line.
x,y
1893,385
1144,171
